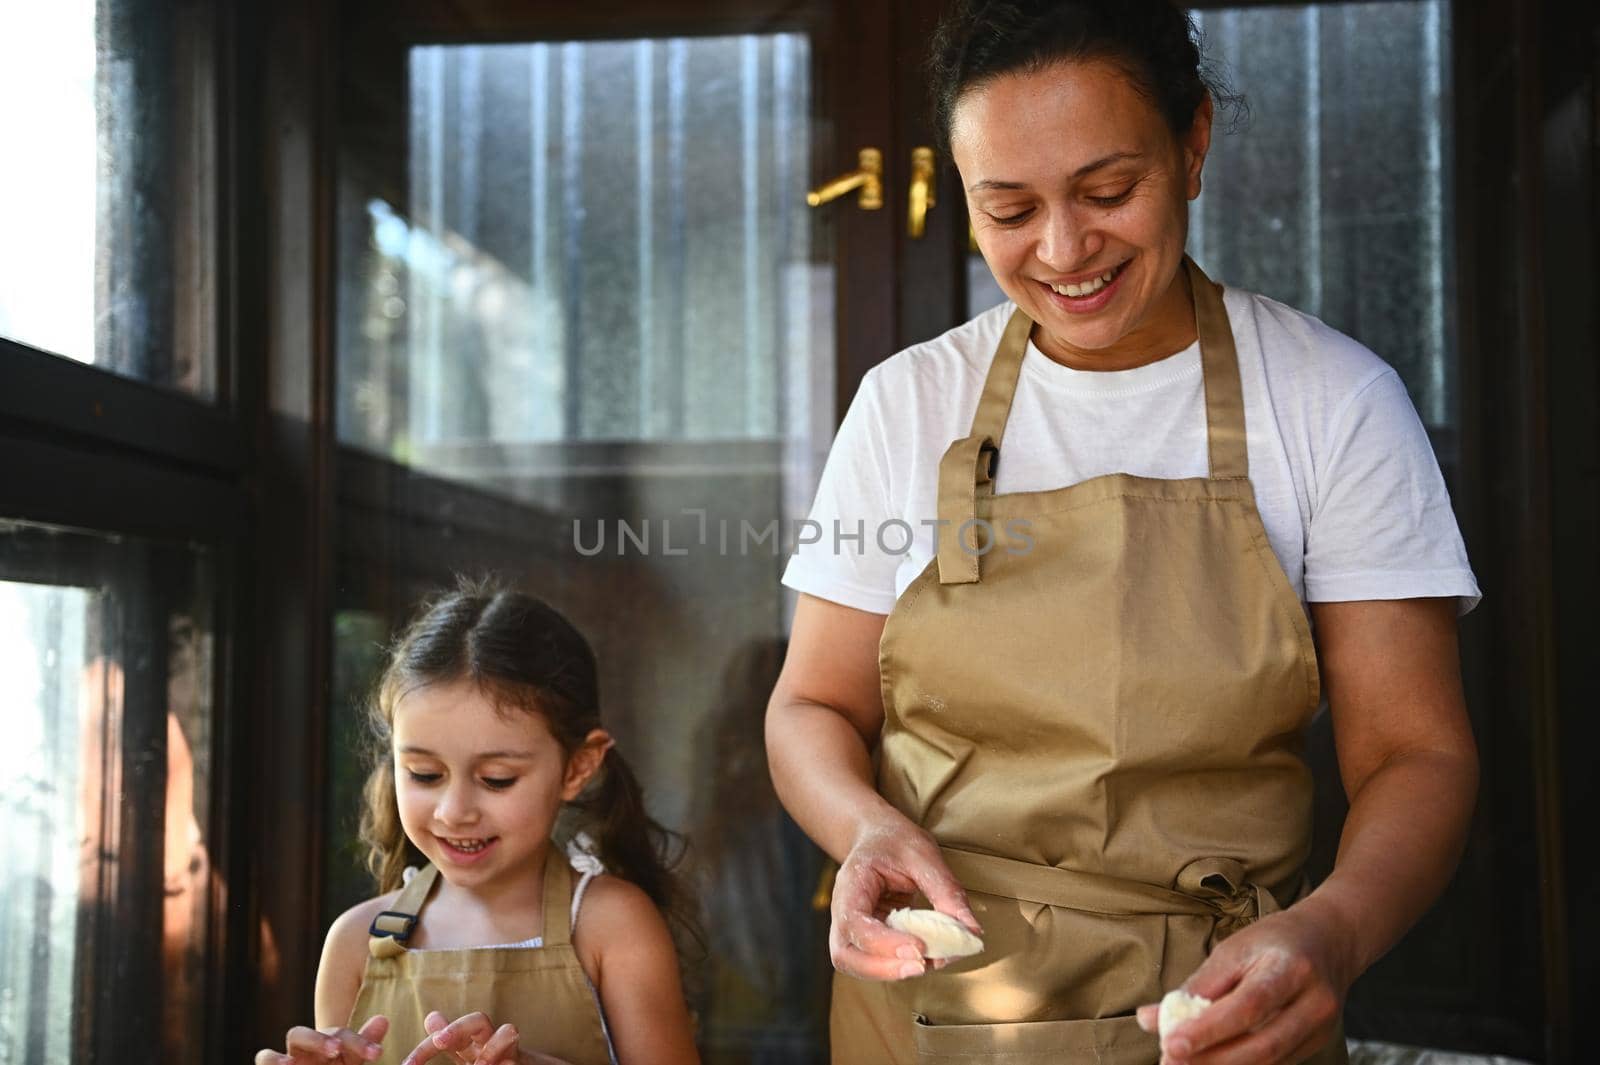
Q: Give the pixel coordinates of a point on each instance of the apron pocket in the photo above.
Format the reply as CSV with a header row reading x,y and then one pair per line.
x,y
1108,1041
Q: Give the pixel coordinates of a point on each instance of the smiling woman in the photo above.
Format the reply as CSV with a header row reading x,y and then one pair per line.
x,y
1113,792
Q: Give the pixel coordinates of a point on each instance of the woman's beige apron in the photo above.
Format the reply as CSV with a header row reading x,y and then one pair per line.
x,y
542,990
1100,720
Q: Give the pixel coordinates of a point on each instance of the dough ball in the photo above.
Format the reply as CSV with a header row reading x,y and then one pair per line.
x,y
1177,1007
942,935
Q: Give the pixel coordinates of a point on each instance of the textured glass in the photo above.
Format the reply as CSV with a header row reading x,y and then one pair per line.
x,y
41,811
586,343
1332,197
104,211
105,660
601,241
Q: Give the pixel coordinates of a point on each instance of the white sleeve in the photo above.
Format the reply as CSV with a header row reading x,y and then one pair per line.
x,y
846,564
1381,525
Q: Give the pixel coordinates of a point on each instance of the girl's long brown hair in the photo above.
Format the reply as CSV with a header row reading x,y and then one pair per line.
x,y
527,658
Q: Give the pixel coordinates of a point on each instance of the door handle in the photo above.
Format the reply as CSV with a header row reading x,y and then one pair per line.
x,y
868,177
921,200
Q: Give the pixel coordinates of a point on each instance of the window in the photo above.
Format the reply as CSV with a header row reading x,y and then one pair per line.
x,y
1333,197
106,204
586,343
105,791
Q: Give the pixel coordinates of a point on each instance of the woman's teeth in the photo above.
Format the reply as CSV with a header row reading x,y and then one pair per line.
x,y
1089,287
469,846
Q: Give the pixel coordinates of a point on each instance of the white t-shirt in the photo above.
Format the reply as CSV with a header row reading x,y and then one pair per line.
x,y
1344,477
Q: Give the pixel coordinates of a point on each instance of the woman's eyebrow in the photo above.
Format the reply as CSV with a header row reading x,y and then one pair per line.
x,y
1115,157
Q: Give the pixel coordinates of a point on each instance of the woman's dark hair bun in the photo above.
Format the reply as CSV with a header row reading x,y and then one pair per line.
x,y
1154,41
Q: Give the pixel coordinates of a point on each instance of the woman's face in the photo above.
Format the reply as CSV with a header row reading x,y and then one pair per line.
x,y
1078,193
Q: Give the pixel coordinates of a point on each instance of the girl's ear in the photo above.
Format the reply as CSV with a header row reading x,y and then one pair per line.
x,y
585,762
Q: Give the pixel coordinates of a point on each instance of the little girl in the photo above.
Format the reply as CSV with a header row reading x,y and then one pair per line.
x,y
497,951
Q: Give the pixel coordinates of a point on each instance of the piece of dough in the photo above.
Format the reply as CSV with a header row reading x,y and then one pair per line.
x,y
942,935
1177,1007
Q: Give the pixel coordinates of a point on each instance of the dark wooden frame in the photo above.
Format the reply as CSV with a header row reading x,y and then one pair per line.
x,y
100,453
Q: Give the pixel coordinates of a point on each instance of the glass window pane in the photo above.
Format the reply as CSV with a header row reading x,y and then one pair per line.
x,y
105,204
584,301
105,789
600,241
1333,196
42,632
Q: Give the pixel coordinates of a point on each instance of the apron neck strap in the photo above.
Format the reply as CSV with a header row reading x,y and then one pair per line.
x,y
1219,366
969,467
1000,385
391,928
557,900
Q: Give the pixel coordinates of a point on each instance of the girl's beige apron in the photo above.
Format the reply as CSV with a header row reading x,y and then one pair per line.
x,y
542,990
1100,720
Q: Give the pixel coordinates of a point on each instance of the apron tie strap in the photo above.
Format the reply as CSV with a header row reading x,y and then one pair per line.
x,y
1221,884
1207,887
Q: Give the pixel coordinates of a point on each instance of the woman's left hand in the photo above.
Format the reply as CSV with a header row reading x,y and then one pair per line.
x,y
1277,989
474,1040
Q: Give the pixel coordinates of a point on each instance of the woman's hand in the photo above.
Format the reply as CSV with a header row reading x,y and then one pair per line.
x,y
329,1046
474,1040
890,862
1277,989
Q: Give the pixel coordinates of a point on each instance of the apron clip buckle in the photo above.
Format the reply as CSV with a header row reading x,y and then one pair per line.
x,y
408,921
993,466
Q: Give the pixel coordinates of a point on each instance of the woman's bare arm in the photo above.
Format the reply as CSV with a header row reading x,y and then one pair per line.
x,y
825,713
824,716
1410,767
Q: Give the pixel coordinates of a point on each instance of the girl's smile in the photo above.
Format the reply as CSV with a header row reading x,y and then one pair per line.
x,y
467,852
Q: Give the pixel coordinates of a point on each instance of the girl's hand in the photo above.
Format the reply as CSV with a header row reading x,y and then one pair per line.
x,y
330,1046
1277,989
887,866
474,1040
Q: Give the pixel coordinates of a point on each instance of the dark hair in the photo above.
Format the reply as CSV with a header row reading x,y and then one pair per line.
x,y
1155,43
527,658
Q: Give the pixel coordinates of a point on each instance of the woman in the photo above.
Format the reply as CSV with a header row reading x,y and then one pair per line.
x,y
1072,713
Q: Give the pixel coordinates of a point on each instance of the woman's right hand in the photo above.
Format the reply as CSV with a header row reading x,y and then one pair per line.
x,y
890,863
332,1046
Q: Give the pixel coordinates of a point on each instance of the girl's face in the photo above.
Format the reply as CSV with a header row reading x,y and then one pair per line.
x,y
478,788
1078,194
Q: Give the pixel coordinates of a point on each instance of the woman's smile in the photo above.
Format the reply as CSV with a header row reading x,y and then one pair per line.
x,y
1087,296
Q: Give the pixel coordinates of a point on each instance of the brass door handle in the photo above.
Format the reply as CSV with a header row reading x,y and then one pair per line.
x,y
868,177
922,192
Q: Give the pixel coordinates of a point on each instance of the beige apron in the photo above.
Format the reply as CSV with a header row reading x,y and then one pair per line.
x,y
1103,729
542,990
